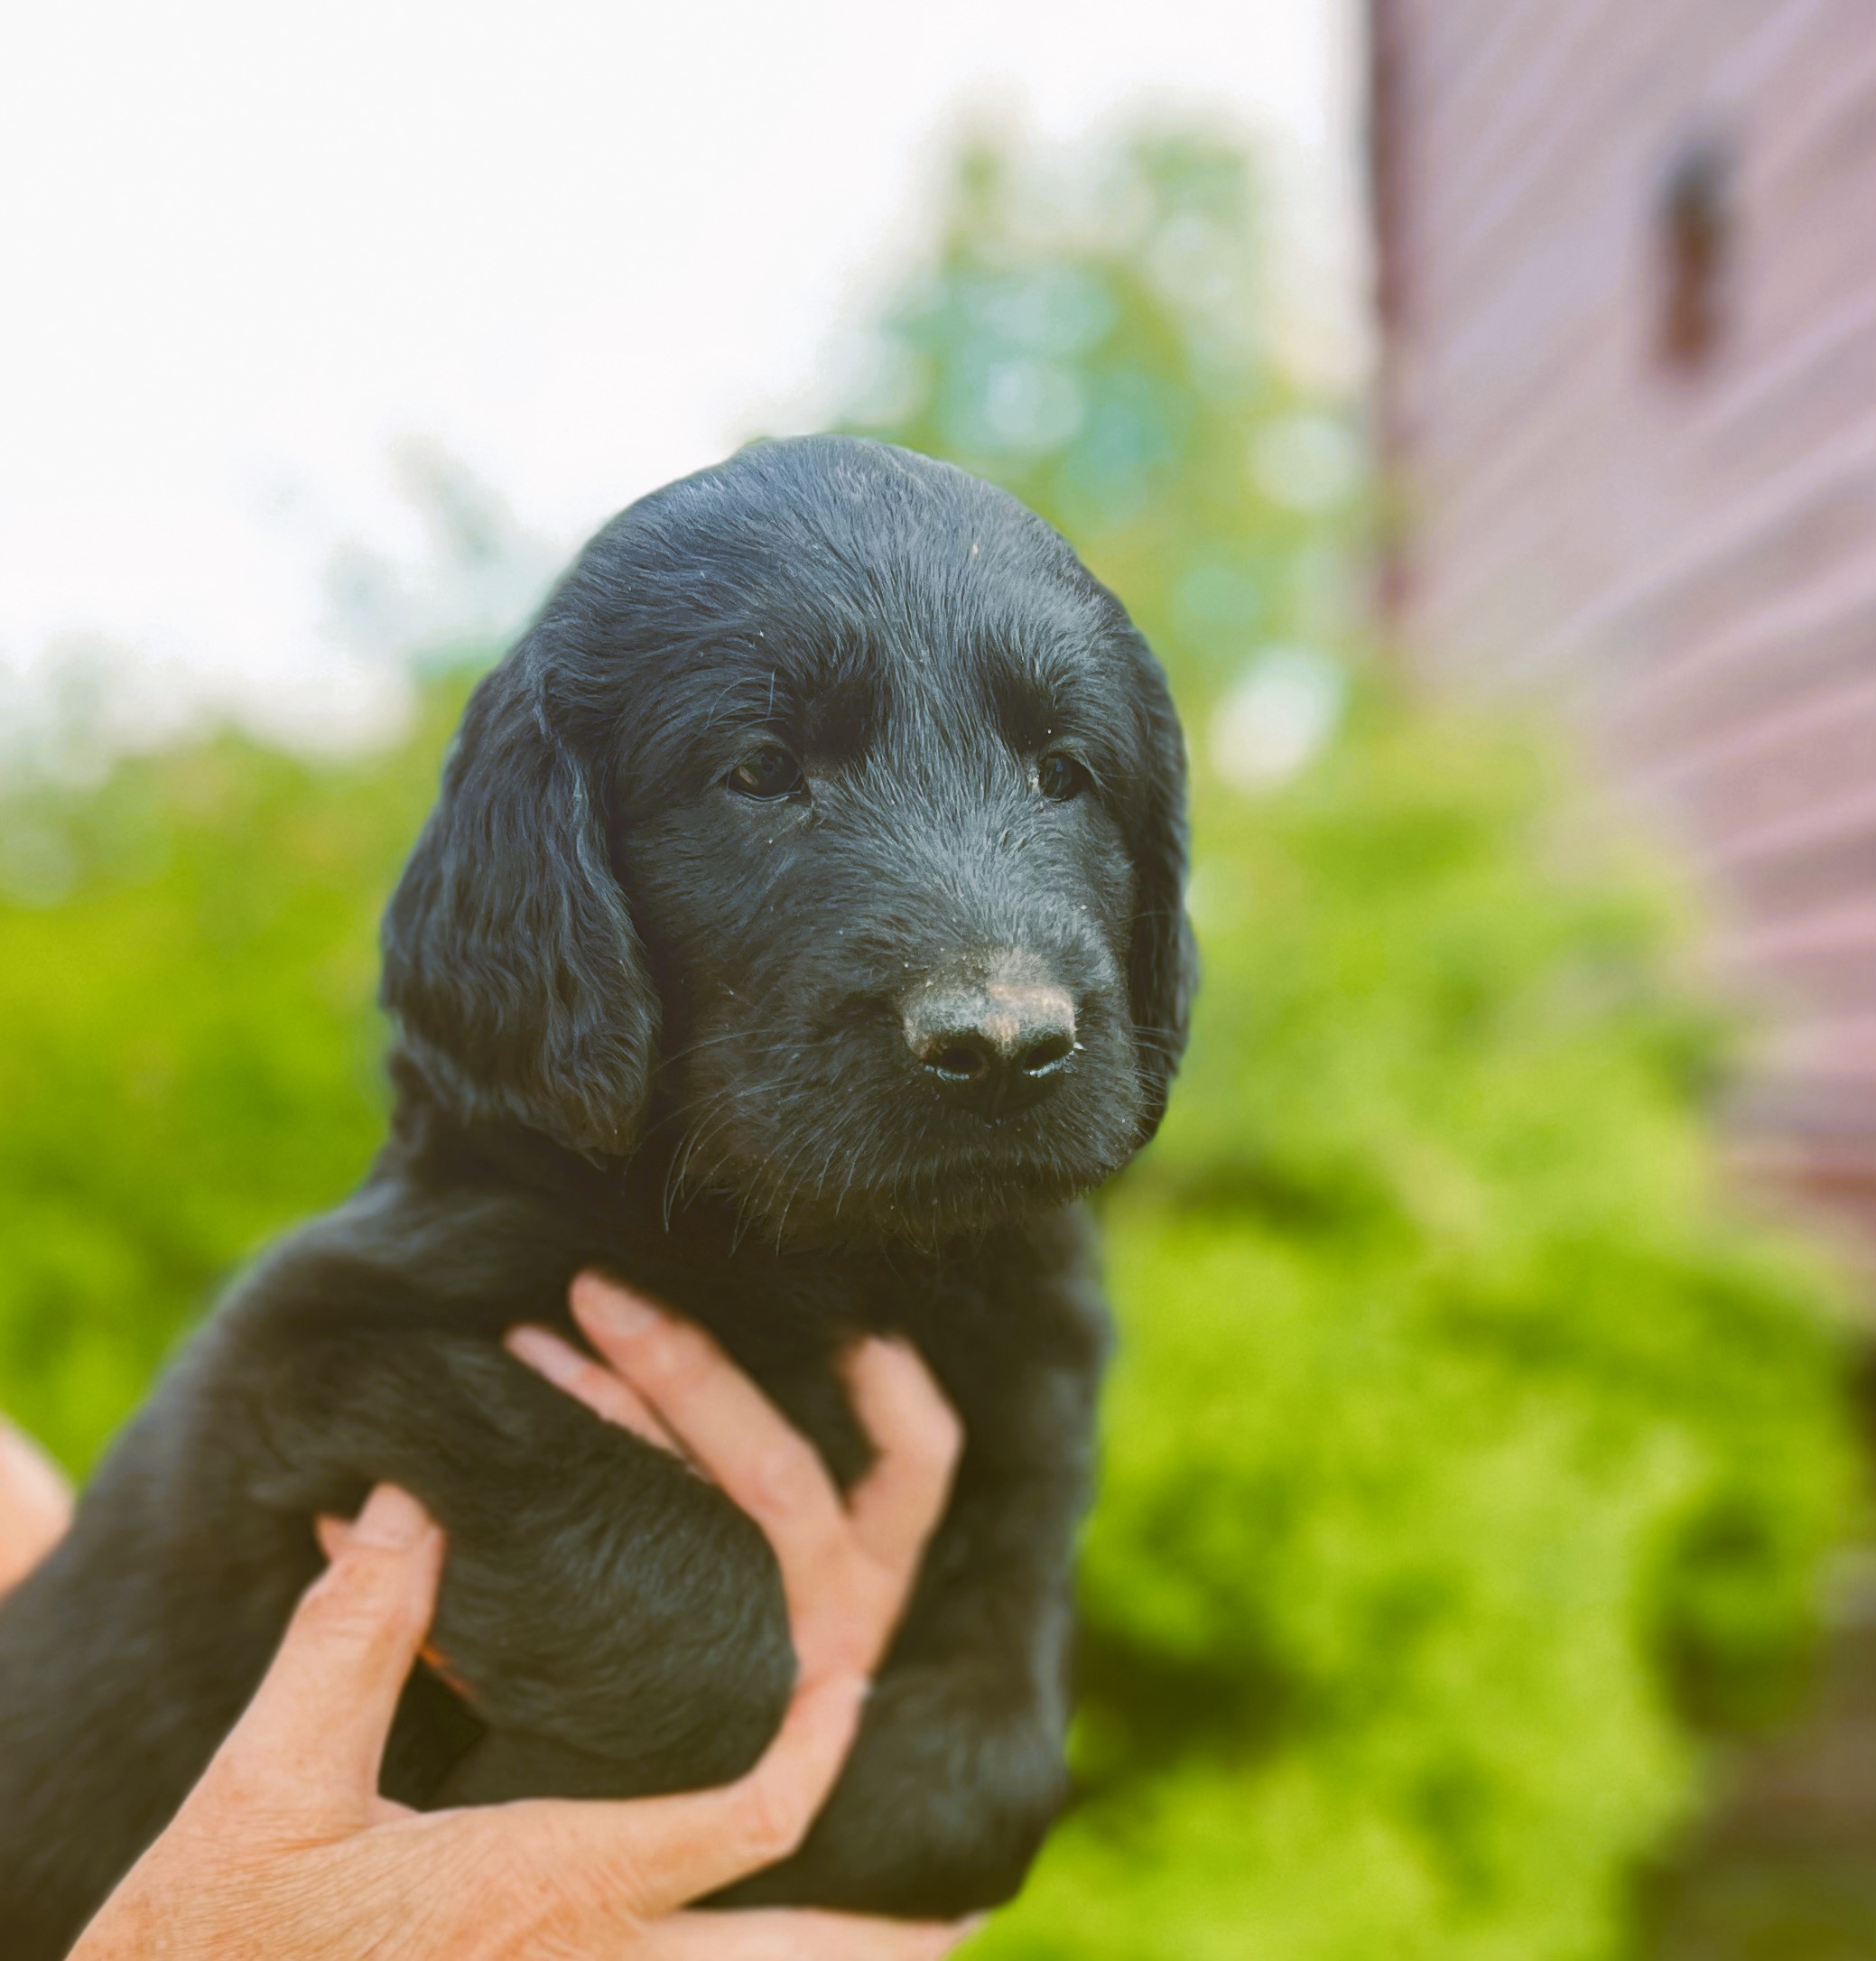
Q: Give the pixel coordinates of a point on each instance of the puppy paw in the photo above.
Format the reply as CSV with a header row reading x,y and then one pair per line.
x,y
940,1812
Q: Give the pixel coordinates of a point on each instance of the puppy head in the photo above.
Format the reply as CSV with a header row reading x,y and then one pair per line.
x,y
828,831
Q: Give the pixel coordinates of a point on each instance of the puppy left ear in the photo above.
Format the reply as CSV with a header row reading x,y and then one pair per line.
x,y
1163,958
510,959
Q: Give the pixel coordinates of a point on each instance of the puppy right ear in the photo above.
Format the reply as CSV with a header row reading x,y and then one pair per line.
x,y
510,959
1162,962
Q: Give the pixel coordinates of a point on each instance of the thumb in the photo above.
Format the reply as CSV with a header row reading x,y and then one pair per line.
x,y
313,1737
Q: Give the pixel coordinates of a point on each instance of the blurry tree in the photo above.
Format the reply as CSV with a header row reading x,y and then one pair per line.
x,y
477,576
1468,1451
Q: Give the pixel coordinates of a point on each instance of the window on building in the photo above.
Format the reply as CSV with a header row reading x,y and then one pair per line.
x,y
1697,225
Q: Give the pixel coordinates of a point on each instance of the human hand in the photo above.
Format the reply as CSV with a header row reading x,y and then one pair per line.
x,y
35,1505
286,1847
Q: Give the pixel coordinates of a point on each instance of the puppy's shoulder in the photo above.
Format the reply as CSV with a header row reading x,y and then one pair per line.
x,y
1025,1296
402,1250
1058,1271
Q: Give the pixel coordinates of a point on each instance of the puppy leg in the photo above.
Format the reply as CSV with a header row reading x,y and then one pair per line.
x,y
595,1595
958,1770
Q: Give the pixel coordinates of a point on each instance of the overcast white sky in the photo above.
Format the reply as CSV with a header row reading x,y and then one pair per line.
x,y
586,246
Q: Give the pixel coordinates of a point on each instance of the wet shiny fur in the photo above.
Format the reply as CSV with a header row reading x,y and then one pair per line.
x,y
797,936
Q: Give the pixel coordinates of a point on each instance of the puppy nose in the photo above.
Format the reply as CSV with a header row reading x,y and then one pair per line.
x,y
994,1049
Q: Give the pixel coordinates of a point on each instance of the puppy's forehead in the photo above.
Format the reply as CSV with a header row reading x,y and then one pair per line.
x,y
845,671
869,584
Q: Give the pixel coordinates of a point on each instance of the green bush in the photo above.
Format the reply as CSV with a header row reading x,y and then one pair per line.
x,y
1469,1453
190,1060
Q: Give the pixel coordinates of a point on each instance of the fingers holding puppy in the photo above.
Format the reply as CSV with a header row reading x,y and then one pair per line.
x,y
605,1392
847,1564
847,1568
896,1508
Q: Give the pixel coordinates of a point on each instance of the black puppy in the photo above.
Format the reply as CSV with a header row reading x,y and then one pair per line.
x,y
798,933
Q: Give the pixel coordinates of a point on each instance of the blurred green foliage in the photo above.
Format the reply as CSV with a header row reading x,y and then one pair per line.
x,y
190,1059
1469,1453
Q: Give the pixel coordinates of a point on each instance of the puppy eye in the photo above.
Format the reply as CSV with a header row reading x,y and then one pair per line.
x,y
1060,778
768,772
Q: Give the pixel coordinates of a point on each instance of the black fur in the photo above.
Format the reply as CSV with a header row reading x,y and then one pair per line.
x,y
651,1025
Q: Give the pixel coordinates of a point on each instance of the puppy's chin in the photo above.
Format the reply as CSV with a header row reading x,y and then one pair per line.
x,y
917,1186
919,1212
922,1212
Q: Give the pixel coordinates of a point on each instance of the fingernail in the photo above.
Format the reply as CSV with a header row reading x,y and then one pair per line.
x,y
391,1519
546,1354
613,1309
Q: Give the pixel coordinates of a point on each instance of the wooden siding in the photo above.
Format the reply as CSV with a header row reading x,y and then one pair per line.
x,y
1683,549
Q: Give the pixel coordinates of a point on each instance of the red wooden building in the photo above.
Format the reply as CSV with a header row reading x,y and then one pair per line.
x,y
1628,282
